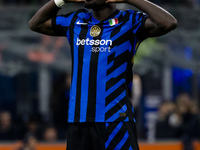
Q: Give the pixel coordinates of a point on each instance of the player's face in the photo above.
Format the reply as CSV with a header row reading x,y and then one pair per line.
x,y
94,4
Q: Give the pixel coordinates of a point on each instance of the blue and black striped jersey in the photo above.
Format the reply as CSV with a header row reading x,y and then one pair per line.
x,y
102,59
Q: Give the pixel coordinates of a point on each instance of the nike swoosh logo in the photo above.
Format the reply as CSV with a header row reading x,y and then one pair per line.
x,y
81,23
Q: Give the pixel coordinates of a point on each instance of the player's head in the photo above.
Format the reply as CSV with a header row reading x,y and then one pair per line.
x,y
95,4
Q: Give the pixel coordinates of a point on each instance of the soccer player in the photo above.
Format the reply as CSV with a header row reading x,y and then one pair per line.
x,y
103,42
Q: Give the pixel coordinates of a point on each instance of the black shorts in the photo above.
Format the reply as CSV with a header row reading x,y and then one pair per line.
x,y
102,136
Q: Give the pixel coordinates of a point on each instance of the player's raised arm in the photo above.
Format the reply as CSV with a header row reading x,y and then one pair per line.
x,y
159,22
41,21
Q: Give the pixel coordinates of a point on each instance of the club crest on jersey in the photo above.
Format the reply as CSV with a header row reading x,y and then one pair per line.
x,y
95,31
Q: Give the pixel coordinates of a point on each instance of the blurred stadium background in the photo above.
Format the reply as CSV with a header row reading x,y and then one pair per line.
x,y
35,81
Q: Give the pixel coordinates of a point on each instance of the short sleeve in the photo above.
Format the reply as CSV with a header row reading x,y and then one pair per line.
x,y
139,20
61,23
57,28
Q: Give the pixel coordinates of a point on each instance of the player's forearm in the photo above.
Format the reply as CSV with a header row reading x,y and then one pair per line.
x,y
158,15
45,13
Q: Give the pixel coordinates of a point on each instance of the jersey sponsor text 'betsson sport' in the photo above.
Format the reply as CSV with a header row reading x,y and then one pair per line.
x,y
102,59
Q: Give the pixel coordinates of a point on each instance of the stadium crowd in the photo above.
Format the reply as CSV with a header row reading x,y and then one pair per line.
x,y
12,130
43,128
180,119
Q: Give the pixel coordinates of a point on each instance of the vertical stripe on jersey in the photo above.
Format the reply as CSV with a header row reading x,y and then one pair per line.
x,y
92,87
101,79
93,82
84,30
100,98
72,101
85,83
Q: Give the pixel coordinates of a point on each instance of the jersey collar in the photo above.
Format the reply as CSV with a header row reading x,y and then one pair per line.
x,y
95,21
